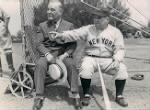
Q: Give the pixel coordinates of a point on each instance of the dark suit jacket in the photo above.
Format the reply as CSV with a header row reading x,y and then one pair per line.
x,y
45,45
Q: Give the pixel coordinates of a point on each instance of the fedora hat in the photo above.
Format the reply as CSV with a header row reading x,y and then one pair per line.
x,y
58,71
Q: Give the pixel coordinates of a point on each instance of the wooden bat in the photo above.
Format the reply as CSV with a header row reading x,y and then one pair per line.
x,y
105,94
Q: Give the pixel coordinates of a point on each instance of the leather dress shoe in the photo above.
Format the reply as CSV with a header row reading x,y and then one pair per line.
x,y
38,103
121,101
77,104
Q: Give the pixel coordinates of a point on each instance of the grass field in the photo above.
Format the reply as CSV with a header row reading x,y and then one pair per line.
x,y
137,92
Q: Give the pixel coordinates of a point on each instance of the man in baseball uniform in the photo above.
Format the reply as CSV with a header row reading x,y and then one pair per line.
x,y
50,49
5,41
104,45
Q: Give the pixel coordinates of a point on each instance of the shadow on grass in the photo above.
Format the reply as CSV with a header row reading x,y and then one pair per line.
x,y
58,93
98,90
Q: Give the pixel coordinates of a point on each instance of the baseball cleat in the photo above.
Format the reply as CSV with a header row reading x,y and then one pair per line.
x,y
121,101
86,100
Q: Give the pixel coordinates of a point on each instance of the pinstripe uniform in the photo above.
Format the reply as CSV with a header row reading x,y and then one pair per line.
x,y
102,48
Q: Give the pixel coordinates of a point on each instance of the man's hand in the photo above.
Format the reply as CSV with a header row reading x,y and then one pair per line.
x,y
52,35
49,57
116,64
58,37
63,56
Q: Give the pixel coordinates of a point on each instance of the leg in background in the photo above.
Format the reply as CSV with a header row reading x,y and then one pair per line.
x,y
9,59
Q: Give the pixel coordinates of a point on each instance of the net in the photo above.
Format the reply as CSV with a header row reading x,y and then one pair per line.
x,y
27,8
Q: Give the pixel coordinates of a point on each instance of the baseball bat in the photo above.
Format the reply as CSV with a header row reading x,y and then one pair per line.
x,y
105,94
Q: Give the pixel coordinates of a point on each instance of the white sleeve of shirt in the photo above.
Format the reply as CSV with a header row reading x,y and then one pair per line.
x,y
119,50
76,34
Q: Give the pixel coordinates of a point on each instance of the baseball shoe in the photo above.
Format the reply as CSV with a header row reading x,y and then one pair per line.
x,y
38,103
121,101
86,100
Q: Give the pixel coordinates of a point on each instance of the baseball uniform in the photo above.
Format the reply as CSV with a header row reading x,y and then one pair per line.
x,y
101,48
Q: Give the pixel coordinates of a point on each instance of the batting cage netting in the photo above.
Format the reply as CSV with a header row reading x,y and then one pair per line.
x,y
29,8
34,11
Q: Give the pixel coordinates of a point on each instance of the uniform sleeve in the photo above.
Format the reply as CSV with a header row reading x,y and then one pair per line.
x,y
119,48
71,46
39,41
74,35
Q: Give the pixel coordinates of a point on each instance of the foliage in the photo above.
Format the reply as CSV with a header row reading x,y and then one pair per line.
x,y
77,14
123,15
40,13
19,34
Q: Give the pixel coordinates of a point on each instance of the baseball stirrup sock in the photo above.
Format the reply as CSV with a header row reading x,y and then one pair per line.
x,y
85,85
9,60
119,86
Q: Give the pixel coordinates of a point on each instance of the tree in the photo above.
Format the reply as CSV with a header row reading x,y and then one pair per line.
x,y
19,34
77,13
123,15
40,13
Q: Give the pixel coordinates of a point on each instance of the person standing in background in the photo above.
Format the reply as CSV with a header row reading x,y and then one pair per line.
x,y
5,41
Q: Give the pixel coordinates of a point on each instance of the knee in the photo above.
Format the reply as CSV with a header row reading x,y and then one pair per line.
x,y
85,74
42,63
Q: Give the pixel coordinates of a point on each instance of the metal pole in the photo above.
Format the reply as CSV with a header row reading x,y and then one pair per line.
x,y
23,30
89,5
130,25
22,14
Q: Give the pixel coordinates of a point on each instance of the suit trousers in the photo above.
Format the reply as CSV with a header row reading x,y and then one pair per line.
x,y
41,71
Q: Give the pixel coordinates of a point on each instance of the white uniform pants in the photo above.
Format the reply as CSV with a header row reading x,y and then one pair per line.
x,y
89,66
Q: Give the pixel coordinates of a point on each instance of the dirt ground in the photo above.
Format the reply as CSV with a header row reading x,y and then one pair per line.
x,y
136,92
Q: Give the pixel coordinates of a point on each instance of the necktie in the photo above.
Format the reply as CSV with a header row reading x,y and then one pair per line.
x,y
51,23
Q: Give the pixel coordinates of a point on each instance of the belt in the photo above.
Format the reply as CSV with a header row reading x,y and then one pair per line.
x,y
99,56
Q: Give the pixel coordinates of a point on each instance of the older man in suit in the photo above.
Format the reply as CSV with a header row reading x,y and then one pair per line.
x,y
49,50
